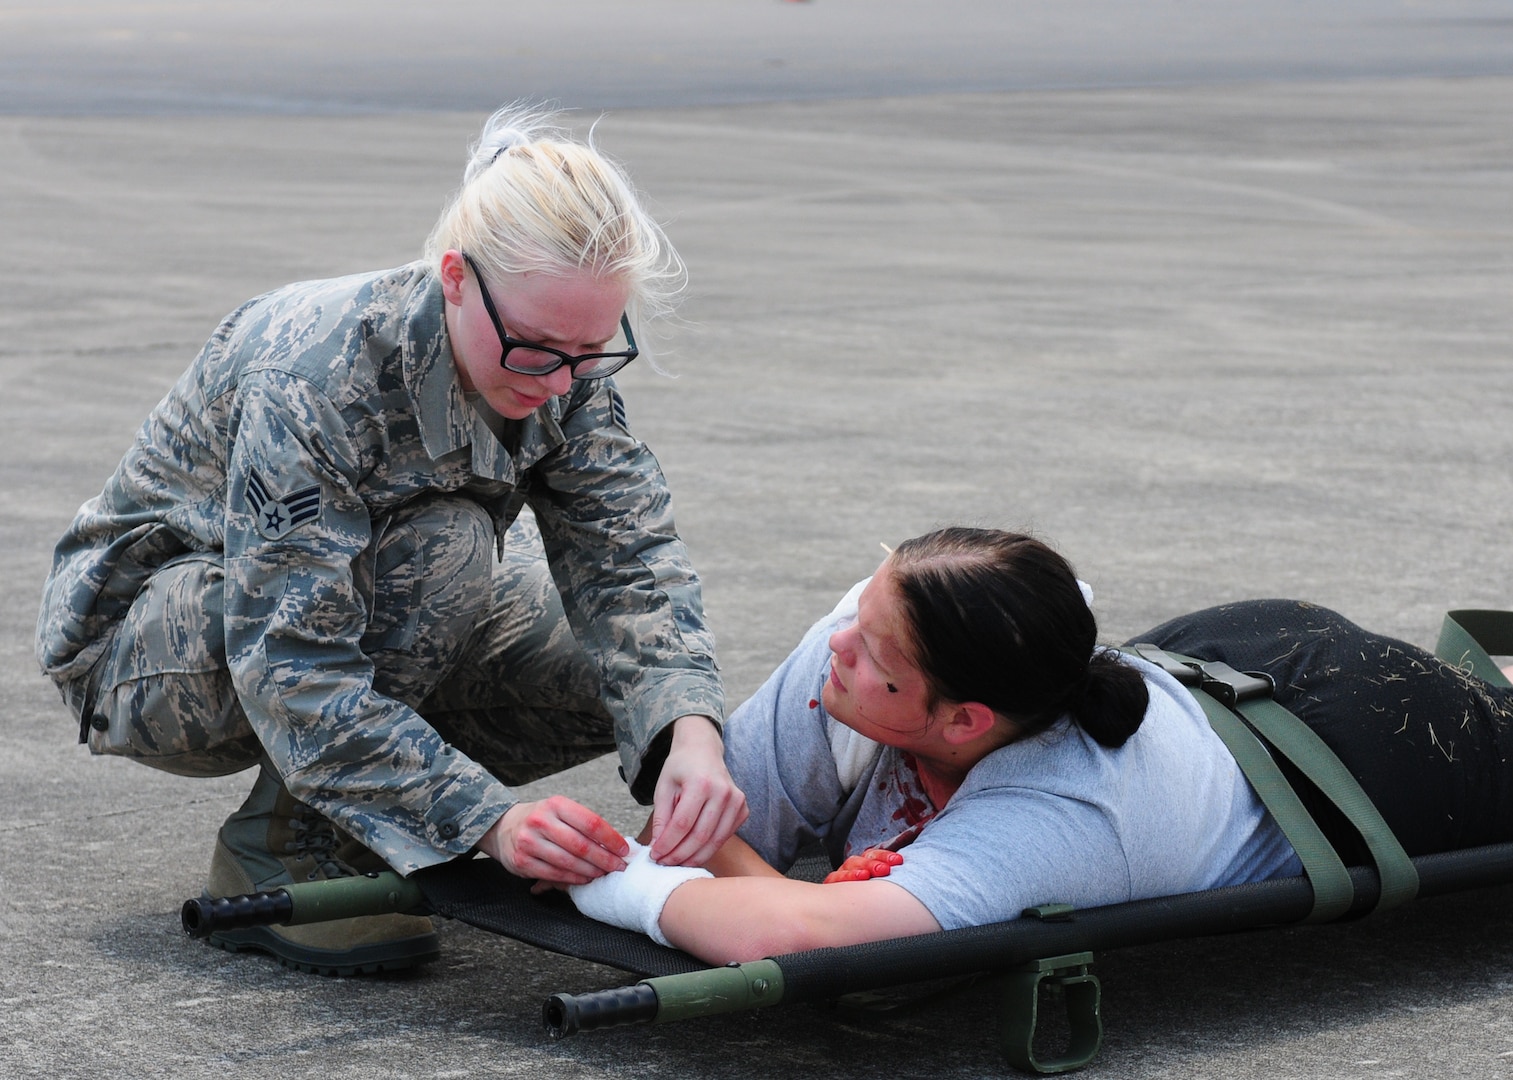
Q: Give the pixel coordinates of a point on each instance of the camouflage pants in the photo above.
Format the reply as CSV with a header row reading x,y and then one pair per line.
x,y
482,651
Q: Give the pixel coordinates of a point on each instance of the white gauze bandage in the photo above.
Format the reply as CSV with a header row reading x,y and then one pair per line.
x,y
633,898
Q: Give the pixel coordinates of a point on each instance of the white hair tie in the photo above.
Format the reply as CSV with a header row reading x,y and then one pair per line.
x,y
506,141
491,147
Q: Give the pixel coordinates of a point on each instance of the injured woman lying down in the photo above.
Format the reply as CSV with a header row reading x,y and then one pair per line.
x,y
955,738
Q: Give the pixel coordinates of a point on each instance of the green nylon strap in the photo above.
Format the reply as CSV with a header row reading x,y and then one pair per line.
x,y
1332,890
1311,755
1250,696
1302,746
1470,638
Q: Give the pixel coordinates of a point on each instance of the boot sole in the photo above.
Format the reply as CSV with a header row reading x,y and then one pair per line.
x,y
363,960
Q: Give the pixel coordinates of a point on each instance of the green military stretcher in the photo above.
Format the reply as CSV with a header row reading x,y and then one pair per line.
x,y
1036,962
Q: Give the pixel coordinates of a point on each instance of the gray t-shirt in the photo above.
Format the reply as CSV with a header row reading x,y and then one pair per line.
x,y
1056,818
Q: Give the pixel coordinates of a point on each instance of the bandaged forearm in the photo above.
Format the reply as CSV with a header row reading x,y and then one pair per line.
x,y
633,898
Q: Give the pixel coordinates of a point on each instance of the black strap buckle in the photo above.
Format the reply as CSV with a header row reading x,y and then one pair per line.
x,y
1233,687
1186,674
1216,677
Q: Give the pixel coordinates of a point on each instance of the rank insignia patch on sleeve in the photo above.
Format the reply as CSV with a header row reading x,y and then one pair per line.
x,y
277,517
617,409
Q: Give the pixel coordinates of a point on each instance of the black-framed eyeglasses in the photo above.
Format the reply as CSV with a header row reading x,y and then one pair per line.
x,y
534,358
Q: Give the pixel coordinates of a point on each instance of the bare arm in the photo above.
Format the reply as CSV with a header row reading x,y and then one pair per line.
x,y
748,910
746,918
737,858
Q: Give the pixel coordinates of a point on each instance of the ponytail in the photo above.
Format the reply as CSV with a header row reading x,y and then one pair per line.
x,y
1113,701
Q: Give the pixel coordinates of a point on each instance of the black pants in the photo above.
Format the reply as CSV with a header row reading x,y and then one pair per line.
x,y
1431,746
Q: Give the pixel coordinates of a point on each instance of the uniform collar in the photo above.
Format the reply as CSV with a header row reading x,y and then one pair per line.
x,y
448,424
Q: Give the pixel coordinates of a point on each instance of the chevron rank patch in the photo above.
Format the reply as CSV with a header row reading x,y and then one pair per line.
x,y
278,516
617,409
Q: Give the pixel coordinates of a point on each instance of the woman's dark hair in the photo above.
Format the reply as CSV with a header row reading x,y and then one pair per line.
x,y
999,618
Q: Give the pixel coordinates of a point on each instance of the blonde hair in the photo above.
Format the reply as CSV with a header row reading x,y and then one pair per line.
x,y
534,198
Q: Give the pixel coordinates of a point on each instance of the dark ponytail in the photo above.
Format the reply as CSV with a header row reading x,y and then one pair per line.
x,y
1113,703
998,618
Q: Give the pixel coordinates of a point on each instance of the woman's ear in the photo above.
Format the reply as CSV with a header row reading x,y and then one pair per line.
x,y
968,721
453,274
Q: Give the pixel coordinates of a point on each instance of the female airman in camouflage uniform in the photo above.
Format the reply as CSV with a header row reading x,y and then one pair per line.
x,y
295,564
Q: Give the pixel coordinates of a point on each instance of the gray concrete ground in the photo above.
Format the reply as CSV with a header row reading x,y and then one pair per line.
x,y
194,56
1214,341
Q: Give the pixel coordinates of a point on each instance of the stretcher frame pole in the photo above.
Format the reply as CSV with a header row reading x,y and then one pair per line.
x,y
305,902
667,998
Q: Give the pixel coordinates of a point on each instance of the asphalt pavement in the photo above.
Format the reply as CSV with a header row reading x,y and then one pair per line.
x,y
1214,337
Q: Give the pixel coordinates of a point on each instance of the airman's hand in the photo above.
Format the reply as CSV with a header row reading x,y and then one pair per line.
x,y
696,805
555,841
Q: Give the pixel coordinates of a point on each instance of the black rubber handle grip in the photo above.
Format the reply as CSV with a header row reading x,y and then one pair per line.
x,y
568,1014
204,915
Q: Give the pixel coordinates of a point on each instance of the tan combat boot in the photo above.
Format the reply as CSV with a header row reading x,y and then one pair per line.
x,y
273,840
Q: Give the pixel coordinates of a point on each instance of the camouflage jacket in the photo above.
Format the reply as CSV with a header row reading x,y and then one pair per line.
x,y
339,400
